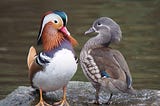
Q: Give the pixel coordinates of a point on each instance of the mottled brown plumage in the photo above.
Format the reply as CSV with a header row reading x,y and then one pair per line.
x,y
105,60
105,67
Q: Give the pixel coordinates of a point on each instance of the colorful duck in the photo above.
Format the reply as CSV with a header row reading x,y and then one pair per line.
x,y
52,68
105,67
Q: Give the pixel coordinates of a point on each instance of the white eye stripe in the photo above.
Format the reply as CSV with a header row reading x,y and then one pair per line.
x,y
106,26
48,18
101,26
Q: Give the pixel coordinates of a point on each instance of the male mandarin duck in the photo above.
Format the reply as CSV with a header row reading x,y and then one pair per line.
x,y
52,68
105,67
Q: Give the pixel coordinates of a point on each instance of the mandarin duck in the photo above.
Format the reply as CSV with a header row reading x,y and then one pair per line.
x,y
52,68
103,66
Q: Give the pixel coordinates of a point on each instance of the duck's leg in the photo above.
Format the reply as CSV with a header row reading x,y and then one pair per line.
x,y
109,100
63,102
97,96
42,102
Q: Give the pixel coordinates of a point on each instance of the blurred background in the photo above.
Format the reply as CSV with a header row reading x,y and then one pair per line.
x,y
139,21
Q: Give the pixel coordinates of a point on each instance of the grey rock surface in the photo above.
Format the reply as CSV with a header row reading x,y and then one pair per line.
x,y
81,94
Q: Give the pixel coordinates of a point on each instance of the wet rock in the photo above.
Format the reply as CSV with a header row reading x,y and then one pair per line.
x,y
81,94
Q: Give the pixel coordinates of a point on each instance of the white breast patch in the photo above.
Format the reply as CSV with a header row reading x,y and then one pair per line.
x,y
57,73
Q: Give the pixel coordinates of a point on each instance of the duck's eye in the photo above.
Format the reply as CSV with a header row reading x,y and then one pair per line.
x,y
99,24
55,21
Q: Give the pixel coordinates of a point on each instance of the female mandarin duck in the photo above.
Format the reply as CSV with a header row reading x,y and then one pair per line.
x,y
52,68
105,67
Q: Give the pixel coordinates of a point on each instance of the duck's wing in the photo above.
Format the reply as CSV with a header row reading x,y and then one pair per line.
x,y
124,66
32,64
111,64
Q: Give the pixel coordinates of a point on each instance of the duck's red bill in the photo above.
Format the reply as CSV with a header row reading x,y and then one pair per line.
x,y
65,31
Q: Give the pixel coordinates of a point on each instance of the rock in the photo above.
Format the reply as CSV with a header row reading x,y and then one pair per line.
x,y
81,94
22,96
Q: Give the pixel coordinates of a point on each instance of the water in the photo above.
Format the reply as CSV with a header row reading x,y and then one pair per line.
x,y
139,21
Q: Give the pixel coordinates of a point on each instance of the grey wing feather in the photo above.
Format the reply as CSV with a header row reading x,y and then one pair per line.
x,y
112,60
123,64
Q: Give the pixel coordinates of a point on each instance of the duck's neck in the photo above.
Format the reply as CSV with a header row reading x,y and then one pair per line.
x,y
65,44
98,41
52,38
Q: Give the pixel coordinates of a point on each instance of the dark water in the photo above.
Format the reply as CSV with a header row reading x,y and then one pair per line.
x,y
139,21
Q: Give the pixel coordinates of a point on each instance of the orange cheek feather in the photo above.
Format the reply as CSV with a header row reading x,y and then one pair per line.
x,y
52,38
72,40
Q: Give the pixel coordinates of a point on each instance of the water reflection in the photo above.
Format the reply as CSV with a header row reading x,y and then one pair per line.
x,y
139,21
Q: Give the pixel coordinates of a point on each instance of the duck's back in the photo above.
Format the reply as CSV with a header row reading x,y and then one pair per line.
x,y
106,62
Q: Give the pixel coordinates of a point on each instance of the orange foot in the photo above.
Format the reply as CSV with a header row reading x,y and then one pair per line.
x,y
42,102
63,102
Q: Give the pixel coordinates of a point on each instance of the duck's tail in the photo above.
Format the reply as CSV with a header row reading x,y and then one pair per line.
x,y
31,56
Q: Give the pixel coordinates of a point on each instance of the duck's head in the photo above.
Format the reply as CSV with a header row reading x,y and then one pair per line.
x,y
107,27
53,29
